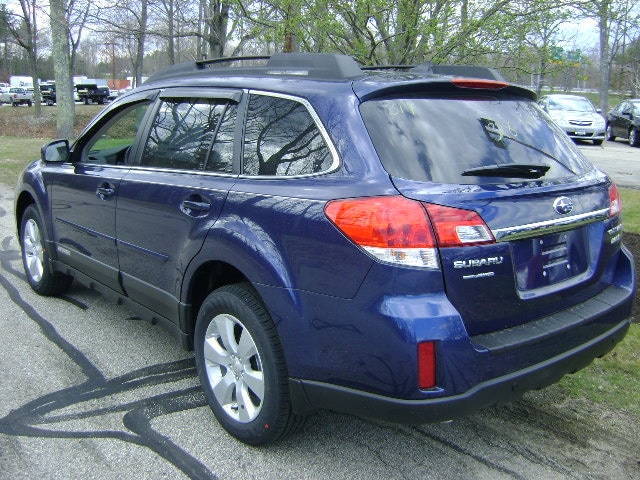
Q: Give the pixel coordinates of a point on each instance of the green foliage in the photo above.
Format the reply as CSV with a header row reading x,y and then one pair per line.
x,y
613,379
631,209
15,154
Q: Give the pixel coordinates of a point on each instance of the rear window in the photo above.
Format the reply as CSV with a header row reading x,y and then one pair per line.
x,y
469,140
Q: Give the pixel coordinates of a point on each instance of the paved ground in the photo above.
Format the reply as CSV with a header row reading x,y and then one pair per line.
x,y
618,159
89,391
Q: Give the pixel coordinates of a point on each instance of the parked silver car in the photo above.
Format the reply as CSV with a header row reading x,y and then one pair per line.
x,y
576,115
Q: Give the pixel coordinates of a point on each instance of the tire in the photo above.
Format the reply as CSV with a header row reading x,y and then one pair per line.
x,y
634,140
610,136
30,103
35,257
241,366
597,142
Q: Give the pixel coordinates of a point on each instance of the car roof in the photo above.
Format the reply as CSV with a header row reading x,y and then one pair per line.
x,y
275,72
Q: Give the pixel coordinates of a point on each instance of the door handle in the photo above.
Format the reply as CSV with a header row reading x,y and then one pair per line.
x,y
105,190
195,205
200,206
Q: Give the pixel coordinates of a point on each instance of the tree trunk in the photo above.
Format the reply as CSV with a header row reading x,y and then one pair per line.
x,y
62,69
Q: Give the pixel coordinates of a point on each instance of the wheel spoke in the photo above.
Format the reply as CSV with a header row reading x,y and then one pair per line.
x,y
214,354
254,379
224,389
246,346
247,410
225,326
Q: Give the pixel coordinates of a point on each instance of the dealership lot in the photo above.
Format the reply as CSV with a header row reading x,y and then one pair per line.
x,y
87,390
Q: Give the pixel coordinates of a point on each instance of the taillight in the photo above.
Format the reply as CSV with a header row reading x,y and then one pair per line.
x,y
456,227
392,229
615,204
406,232
426,365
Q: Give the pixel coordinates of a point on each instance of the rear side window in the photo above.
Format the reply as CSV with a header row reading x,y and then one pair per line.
x,y
459,139
192,134
282,138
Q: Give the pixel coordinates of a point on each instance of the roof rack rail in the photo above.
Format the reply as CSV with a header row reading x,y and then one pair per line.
x,y
226,60
429,68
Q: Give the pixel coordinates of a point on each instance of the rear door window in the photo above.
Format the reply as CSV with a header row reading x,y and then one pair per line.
x,y
468,140
192,134
283,139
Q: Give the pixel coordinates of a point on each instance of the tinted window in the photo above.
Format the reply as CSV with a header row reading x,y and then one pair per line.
x,y
183,133
282,138
111,144
437,139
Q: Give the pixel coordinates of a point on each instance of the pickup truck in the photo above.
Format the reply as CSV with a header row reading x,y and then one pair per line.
x,y
90,93
48,92
17,96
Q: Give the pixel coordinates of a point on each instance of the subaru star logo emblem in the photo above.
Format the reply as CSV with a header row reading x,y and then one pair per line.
x,y
563,205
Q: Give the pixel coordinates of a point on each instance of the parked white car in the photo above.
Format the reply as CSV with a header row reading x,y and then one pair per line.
x,y
576,115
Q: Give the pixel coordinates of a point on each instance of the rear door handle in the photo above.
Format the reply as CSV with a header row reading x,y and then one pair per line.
x,y
105,190
195,205
200,206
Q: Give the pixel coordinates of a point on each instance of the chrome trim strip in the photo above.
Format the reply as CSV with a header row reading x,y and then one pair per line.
x,y
508,234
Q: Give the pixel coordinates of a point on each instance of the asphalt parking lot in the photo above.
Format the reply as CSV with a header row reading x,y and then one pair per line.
x,y
618,159
87,390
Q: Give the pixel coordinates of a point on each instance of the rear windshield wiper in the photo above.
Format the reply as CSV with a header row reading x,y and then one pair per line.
x,y
514,170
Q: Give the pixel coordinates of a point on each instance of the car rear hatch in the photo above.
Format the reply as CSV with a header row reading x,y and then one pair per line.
x,y
552,219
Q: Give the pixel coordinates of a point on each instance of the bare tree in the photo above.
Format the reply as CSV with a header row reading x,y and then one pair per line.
x,y
614,20
25,32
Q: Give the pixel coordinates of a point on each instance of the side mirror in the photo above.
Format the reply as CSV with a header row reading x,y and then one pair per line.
x,y
55,152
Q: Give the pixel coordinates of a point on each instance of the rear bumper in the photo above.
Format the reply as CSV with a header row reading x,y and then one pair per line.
x,y
310,395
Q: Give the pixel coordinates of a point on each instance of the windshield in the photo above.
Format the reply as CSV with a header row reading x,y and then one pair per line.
x,y
450,139
571,104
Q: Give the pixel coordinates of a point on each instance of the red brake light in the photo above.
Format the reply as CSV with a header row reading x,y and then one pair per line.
x,y
479,83
456,227
426,365
392,229
398,230
615,204
382,221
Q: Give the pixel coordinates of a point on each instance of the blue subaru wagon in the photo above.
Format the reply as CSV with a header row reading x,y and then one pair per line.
x,y
410,244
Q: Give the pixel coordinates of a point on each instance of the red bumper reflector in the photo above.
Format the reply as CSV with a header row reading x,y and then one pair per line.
x,y
426,365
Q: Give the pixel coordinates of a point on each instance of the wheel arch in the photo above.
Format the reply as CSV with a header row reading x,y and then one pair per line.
x,y
206,278
23,200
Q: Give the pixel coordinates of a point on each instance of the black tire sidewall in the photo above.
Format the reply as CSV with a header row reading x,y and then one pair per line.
x,y
275,411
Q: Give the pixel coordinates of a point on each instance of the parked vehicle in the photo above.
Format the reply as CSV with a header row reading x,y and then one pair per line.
x,y
321,237
624,121
92,93
48,92
17,96
576,115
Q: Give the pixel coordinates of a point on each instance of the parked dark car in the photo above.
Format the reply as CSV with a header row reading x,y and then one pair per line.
x,y
624,121
408,244
576,115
